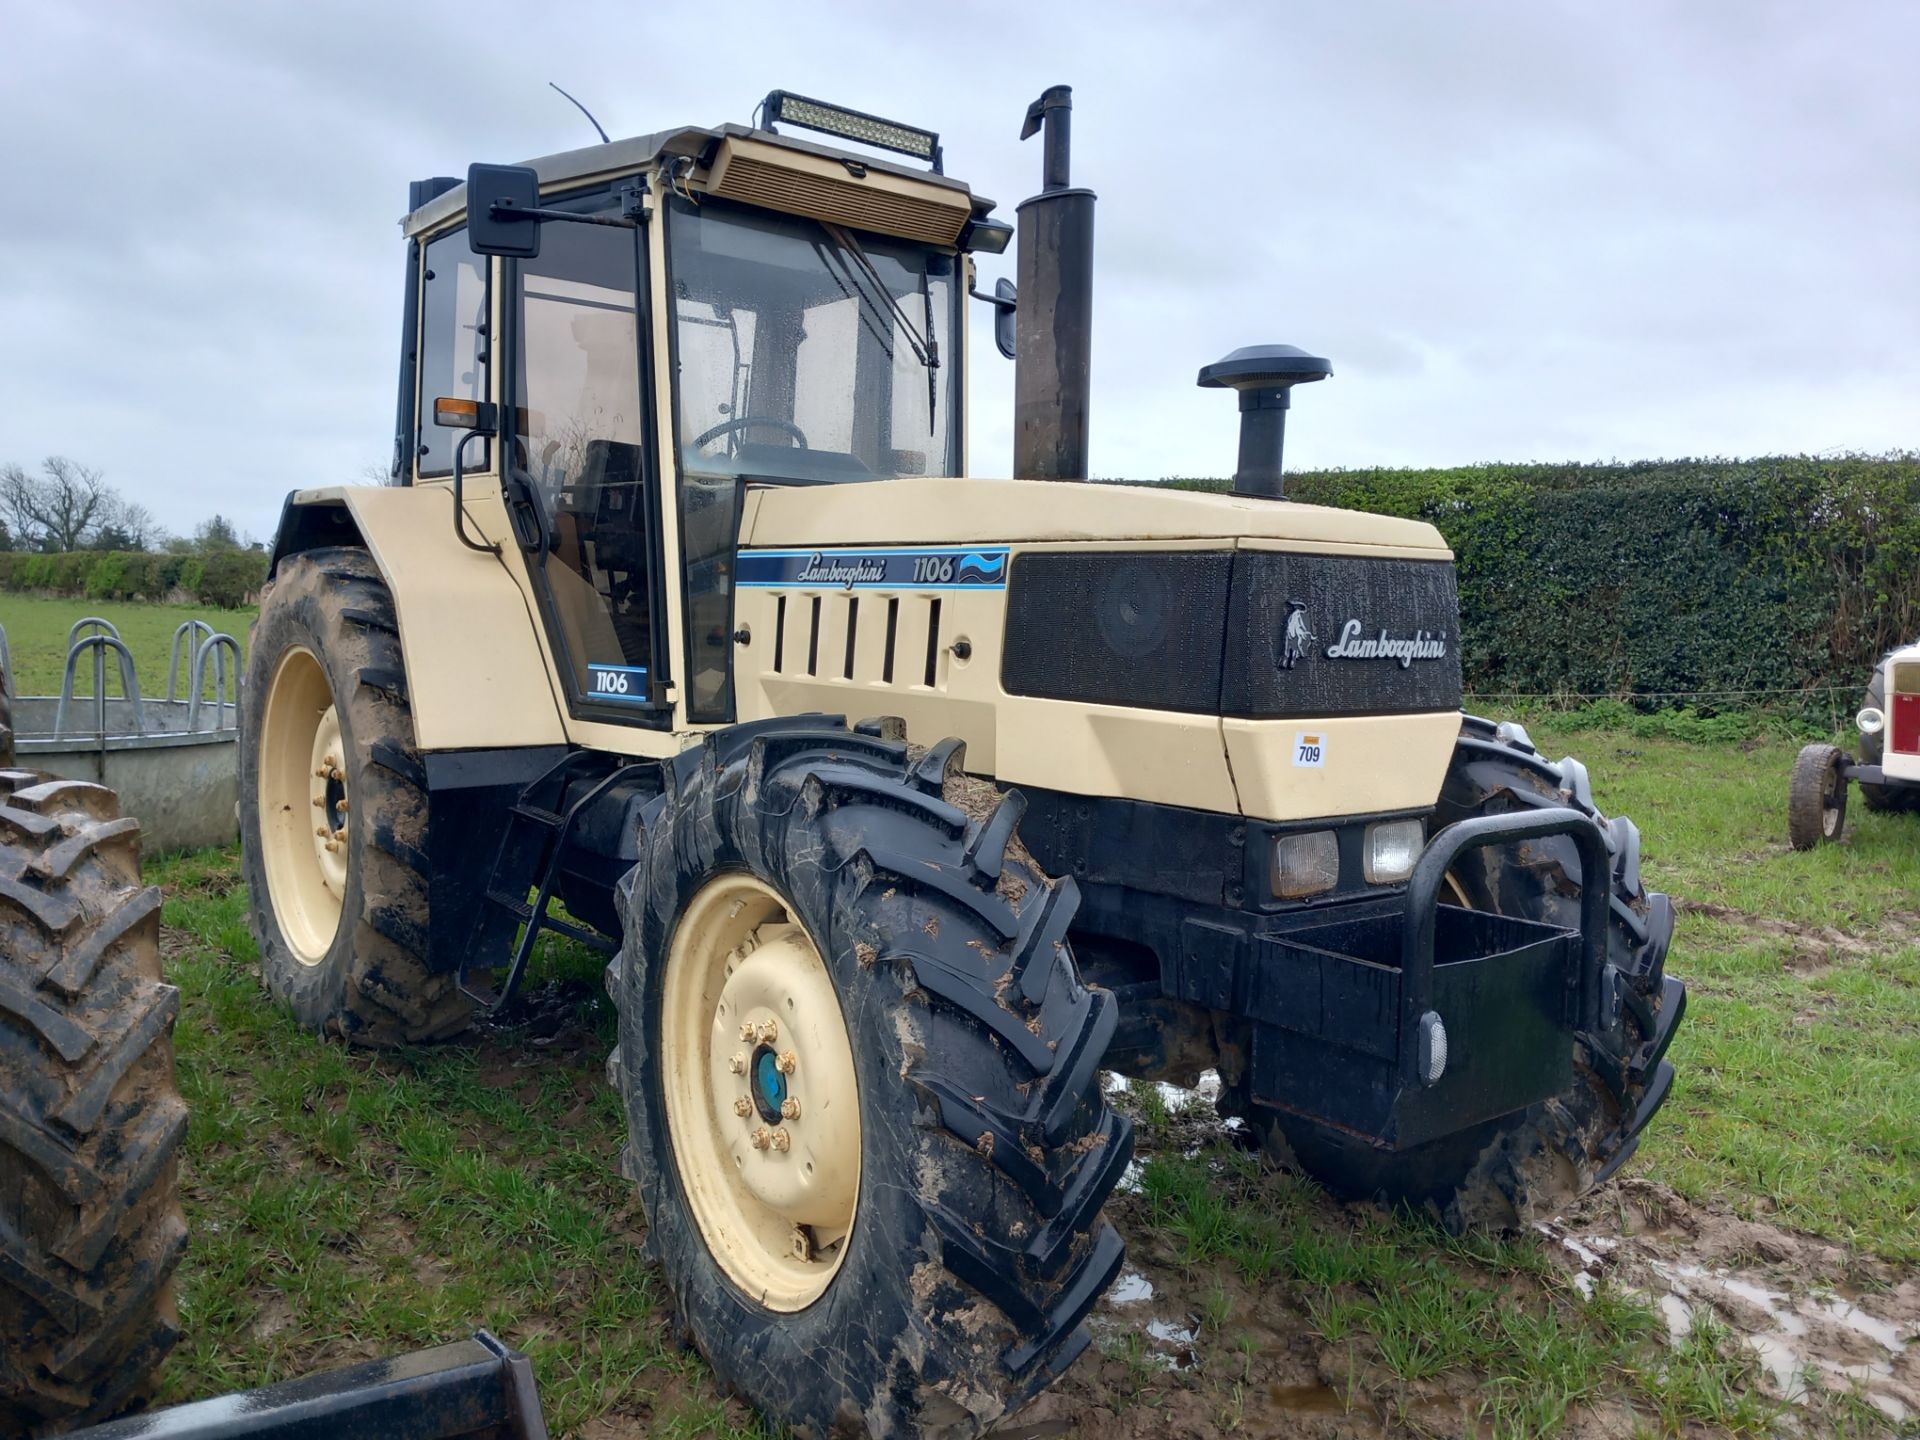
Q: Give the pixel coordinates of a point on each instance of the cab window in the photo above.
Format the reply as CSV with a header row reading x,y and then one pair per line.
x,y
579,429
453,347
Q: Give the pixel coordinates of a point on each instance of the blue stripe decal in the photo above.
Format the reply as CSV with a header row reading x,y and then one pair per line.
x,y
952,567
617,682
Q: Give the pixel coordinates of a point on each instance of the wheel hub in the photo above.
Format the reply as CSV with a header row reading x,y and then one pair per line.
x,y
762,1101
327,797
304,805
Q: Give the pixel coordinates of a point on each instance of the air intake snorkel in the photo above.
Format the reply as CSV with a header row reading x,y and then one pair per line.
x,y
1264,375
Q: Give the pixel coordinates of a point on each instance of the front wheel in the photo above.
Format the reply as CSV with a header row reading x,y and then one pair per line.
x,y
1817,796
861,1080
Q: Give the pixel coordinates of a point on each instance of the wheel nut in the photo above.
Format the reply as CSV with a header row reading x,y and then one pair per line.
x,y
788,1063
319,802
341,805
760,1138
738,1065
743,1107
782,1141
323,832
789,1109
769,1031
747,1030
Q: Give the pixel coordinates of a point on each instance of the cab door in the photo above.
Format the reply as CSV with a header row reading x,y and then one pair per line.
x,y
583,480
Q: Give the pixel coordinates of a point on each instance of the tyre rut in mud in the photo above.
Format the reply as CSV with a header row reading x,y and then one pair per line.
x,y
90,1120
986,1150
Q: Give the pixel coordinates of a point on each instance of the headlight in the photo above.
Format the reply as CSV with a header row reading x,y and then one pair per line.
x,y
1871,721
1305,864
1392,847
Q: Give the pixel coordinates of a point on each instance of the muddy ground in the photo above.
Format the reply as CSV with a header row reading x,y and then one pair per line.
x,y
1810,1311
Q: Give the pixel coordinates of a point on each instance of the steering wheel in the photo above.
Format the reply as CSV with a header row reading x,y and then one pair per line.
x,y
741,422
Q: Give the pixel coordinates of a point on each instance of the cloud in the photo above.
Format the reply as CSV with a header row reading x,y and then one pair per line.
x,y
1519,230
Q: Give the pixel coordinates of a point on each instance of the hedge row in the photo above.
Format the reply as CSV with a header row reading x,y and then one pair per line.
x,y
1669,577
226,578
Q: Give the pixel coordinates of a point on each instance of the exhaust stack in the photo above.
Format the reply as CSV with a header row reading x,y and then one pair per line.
x,y
1264,375
1053,340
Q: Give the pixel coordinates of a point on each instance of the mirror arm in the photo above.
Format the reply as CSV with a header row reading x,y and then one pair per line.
x,y
999,302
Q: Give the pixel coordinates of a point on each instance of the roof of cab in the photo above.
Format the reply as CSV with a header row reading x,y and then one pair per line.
x,y
631,156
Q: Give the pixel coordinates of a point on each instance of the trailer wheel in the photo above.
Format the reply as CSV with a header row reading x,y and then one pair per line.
x,y
861,1075
1873,750
1817,797
90,1121
1508,1171
333,810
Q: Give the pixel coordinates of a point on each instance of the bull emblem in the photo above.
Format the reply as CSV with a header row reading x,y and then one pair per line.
x,y
1294,636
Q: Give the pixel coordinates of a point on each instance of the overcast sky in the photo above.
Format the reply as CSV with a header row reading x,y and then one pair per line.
x,y
1521,231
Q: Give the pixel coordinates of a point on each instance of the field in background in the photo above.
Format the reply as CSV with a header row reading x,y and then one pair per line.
x,y
37,636
346,1205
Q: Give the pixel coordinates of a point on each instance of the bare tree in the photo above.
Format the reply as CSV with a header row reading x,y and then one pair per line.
x,y
57,509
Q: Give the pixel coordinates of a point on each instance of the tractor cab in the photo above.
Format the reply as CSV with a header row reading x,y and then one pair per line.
x,y
619,340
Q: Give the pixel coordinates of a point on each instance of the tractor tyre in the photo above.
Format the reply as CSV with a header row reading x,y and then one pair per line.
x,y
861,1075
1873,749
90,1120
333,810
1817,796
1510,1171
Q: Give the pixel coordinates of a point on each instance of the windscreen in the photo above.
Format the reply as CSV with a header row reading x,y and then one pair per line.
x,y
810,352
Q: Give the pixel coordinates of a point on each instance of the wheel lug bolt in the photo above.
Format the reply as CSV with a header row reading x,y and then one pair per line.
x,y
789,1109
782,1141
319,802
787,1063
738,1065
341,805
747,1030
743,1107
769,1031
760,1138
323,832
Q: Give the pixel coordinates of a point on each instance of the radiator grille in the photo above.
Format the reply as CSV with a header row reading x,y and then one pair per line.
x,y
1207,631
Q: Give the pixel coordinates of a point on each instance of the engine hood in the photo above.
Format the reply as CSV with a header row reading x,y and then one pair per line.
x,y
973,511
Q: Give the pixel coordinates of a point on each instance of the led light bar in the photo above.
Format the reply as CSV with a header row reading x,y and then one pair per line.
x,y
851,125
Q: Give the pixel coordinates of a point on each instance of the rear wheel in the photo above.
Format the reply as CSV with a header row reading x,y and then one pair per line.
x,y
90,1121
1817,796
1530,1164
333,810
861,1077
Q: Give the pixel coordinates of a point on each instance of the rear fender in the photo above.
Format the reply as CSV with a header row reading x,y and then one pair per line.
x,y
476,675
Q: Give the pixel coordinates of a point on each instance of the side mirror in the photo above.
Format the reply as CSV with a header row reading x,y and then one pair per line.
x,y
501,201
1004,316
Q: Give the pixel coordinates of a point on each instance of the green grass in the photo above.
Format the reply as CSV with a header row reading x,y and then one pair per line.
x,y
37,637
346,1204
1799,1060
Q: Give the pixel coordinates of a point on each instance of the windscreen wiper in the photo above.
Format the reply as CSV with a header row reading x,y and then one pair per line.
x,y
925,348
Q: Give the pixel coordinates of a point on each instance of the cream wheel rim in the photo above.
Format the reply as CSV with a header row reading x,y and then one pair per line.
x,y
304,805
763,1112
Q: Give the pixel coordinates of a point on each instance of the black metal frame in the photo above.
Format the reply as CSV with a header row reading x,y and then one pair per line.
x,y
1423,910
471,1387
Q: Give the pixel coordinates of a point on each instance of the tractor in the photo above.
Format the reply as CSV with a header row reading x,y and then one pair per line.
x,y
903,803
1888,770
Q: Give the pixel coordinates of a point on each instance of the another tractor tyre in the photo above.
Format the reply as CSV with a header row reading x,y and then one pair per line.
x,y
333,810
90,1121
862,1085
1817,796
1512,1170
1873,748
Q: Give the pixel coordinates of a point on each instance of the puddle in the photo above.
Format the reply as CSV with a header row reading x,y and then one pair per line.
x,y
1130,1289
1795,1337
1129,1181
